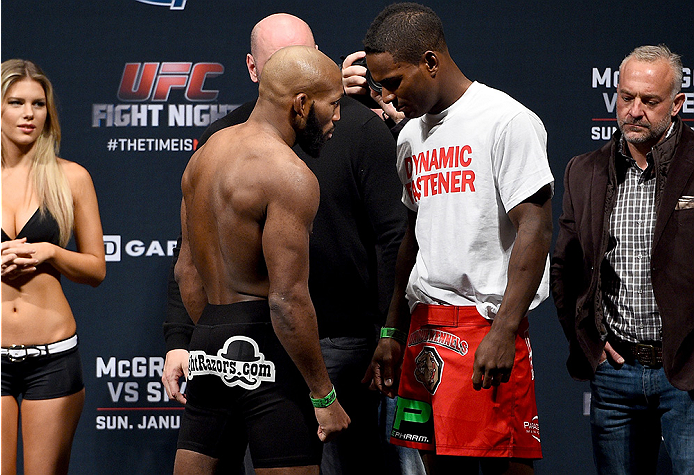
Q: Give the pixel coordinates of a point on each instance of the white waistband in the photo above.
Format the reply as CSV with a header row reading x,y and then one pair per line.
x,y
21,352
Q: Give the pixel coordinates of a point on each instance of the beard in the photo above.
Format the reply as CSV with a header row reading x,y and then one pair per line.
x,y
652,133
311,138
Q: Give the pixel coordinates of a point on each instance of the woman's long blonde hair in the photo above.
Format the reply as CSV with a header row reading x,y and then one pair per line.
x,y
50,183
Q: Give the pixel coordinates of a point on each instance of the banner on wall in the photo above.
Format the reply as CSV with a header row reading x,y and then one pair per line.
x,y
144,96
135,395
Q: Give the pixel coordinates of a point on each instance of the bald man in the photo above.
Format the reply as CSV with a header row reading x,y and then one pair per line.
x,y
243,275
356,235
272,33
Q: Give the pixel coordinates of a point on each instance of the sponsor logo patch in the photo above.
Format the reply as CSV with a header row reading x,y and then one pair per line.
x,y
136,248
238,363
413,421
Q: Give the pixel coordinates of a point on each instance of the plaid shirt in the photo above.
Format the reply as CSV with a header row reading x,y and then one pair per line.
x,y
631,311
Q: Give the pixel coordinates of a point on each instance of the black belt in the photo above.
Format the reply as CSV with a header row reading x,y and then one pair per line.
x,y
648,354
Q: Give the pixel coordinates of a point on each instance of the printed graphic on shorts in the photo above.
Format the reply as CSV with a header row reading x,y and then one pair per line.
x,y
440,338
533,428
238,363
413,421
429,368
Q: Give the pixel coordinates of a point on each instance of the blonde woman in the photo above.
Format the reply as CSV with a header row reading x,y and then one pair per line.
x,y
45,200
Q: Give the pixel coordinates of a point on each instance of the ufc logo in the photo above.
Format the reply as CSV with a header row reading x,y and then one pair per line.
x,y
143,81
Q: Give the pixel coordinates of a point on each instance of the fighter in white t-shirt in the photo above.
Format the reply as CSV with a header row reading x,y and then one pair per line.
x,y
462,170
473,261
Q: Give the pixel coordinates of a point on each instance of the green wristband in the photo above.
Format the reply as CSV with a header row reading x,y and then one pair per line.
x,y
394,333
324,401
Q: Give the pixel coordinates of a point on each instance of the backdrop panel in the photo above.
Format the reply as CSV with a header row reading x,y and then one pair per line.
x,y
138,81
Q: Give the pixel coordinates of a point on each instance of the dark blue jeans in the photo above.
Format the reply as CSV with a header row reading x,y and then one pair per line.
x,y
357,450
362,449
632,409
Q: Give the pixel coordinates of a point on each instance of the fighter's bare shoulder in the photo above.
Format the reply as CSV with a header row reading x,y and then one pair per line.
x,y
246,156
292,185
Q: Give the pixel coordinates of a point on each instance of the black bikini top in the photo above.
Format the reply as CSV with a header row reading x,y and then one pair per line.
x,y
41,227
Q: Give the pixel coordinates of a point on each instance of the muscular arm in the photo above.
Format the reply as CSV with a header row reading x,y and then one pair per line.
x,y
399,311
88,264
384,371
189,282
533,222
289,218
285,248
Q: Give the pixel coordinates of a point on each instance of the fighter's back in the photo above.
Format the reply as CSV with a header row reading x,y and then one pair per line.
x,y
242,192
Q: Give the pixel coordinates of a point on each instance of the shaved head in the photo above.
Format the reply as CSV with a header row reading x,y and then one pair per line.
x,y
272,33
299,69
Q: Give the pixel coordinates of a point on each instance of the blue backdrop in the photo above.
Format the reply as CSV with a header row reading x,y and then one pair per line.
x,y
137,82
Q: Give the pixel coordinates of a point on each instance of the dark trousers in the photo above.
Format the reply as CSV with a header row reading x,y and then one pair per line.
x,y
359,449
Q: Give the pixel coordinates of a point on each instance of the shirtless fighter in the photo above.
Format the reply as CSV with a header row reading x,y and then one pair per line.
x,y
247,210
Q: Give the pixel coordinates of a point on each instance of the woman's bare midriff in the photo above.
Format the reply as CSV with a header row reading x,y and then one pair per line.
x,y
35,311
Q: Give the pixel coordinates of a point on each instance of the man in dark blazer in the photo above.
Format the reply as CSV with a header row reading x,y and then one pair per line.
x,y
623,272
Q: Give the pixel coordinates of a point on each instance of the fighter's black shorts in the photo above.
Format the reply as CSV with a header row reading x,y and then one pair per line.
x,y
244,389
43,377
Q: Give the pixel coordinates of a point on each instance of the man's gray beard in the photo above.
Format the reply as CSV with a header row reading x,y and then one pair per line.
x,y
655,131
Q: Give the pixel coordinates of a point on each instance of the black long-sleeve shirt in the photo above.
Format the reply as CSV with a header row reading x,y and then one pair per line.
x,y
356,232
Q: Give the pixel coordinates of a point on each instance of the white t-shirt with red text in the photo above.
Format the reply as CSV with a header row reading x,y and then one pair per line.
x,y
462,171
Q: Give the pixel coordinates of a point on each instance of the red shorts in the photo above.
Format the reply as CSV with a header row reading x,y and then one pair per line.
x,y
438,410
